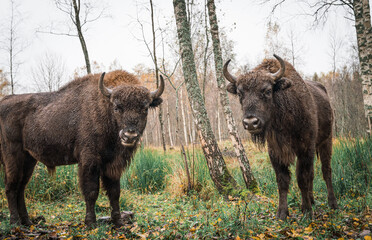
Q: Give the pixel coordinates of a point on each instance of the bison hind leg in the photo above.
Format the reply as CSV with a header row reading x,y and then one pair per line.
x,y
28,169
19,166
325,153
305,175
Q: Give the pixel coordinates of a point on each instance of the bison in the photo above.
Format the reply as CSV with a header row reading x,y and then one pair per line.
x,y
294,117
84,122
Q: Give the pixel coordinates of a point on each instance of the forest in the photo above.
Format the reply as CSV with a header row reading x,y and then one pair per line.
x,y
199,169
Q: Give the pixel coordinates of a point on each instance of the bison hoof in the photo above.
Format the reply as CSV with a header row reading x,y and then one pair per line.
x,y
333,204
14,220
308,212
282,214
90,221
118,223
26,222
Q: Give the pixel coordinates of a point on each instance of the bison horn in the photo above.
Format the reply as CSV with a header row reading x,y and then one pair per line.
x,y
104,90
279,74
158,92
226,73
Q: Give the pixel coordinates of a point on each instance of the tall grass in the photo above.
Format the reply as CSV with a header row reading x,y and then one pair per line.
x,y
146,173
352,167
44,186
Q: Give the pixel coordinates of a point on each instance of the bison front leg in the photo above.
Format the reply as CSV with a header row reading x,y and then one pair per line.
x,y
304,172
89,185
112,187
283,179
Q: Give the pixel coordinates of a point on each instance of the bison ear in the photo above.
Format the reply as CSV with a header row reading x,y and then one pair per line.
x,y
156,102
282,84
231,88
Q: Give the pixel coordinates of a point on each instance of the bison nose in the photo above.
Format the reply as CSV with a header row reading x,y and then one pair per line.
x,y
129,135
252,123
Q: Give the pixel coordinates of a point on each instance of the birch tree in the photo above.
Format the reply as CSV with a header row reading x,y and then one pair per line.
x,y
80,15
216,164
363,28
249,179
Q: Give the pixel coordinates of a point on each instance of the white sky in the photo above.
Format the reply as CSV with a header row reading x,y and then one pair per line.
x,y
113,38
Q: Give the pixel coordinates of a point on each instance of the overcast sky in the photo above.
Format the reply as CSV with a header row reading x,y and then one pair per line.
x,y
114,38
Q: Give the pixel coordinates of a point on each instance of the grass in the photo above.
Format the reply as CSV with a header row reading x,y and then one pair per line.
x,y
154,187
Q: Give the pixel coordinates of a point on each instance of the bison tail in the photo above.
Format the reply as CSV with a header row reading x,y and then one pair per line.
x,y
51,170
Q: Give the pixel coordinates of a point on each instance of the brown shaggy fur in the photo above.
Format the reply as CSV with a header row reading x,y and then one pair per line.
x,y
76,124
296,118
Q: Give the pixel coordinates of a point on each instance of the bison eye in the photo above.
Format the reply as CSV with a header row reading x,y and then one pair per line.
x,y
267,92
144,111
118,108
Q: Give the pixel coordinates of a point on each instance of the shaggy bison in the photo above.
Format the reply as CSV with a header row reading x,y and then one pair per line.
x,y
294,117
84,122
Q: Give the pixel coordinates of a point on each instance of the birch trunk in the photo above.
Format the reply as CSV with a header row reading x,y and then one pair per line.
x,y
219,124
249,179
184,120
216,164
169,128
364,40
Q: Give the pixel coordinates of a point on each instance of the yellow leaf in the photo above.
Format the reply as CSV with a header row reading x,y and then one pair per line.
x,y
192,229
219,220
308,230
237,238
367,238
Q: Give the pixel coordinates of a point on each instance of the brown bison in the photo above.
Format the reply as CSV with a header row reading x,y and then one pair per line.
x,y
294,117
85,123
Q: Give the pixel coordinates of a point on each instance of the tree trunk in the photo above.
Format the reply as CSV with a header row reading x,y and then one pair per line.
x,y
160,115
184,120
364,40
169,128
80,34
219,124
222,179
249,179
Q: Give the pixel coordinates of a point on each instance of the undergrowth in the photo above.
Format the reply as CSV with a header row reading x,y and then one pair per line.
x,y
156,188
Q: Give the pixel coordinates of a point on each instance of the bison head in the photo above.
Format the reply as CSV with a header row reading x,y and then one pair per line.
x,y
256,90
130,104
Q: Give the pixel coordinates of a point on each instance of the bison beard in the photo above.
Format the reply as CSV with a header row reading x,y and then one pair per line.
x,y
260,138
85,123
294,117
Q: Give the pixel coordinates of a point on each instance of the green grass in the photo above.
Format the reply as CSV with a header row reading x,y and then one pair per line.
x,y
146,173
154,187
